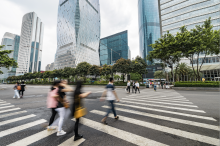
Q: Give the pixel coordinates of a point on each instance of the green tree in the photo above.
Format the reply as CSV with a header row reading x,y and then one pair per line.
x,y
82,69
117,77
159,75
95,70
135,76
106,70
47,74
139,66
122,66
5,61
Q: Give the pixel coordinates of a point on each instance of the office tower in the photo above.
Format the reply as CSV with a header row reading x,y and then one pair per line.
x,y
30,50
113,48
78,33
10,42
149,25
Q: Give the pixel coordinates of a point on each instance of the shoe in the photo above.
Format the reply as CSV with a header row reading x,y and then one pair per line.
x,y
104,122
61,133
14,97
78,137
49,128
117,118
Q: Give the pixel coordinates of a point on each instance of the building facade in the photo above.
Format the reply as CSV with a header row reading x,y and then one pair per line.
x,y
10,42
78,33
149,25
49,67
31,41
113,48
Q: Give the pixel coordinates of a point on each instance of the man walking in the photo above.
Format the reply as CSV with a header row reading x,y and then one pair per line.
x,y
128,87
133,87
16,90
111,96
21,92
137,87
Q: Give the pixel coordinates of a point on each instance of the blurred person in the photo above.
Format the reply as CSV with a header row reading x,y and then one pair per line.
x,y
128,87
158,83
133,87
21,92
16,90
137,87
162,83
155,86
52,101
77,105
152,84
62,110
111,96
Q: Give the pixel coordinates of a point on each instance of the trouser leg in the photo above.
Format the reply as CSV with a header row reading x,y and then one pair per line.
x,y
52,116
76,127
129,89
113,107
61,112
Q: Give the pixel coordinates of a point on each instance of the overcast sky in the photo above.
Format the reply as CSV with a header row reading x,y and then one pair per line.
x,y
116,16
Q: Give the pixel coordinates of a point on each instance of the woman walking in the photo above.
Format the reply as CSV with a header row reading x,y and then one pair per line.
x,y
77,104
21,92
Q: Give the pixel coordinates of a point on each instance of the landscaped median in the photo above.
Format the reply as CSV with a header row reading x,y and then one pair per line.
x,y
202,86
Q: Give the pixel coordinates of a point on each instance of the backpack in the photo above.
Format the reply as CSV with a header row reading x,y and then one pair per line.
x,y
18,87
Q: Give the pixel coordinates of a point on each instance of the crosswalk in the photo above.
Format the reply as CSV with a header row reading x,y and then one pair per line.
x,y
133,109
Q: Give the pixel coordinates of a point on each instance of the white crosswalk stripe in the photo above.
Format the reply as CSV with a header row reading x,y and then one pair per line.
x,y
184,109
12,114
162,102
179,99
189,135
70,142
127,136
4,111
16,119
6,106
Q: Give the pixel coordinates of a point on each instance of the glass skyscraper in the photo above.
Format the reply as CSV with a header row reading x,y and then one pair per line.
x,y
78,33
10,42
149,25
31,41
113,48
190,13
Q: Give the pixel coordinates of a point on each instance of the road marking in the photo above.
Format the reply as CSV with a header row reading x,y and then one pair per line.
x,y
6,106
178,108
33,138
9,110
22,127
161,102
124,135
170,112
165,100
2,102
71,142
189,135
17,119
11,114
187,122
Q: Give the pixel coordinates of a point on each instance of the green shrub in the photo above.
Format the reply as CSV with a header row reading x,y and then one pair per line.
x,y
197,84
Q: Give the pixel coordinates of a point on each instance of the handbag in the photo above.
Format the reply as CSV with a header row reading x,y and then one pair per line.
x,y
66,104
80,112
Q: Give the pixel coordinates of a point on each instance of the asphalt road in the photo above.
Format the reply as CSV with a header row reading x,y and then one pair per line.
x,y
164,117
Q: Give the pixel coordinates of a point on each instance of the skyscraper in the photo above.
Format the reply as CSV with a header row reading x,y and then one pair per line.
x,y
149,25
113,48
30,49
10,42
78,33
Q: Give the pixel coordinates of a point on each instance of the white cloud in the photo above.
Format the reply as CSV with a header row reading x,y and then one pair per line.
x,y
116,16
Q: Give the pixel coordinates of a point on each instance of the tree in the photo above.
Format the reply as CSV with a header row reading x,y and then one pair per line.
x,y
159,75
117,77
135,76
122,66
106,70
95,70
47,74
82,69
139,66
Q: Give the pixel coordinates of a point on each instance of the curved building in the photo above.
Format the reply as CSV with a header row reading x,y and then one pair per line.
x,y
176,13
30,50
10,42
149,25
78,33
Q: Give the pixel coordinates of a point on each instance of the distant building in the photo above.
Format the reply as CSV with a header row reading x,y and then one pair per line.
x,y
49,67
113,48
31,41
78,33
10,42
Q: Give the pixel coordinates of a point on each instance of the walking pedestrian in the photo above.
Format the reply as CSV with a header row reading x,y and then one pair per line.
x,y
162,83
21,92
137,87
16,90
52,101
77,109
155,86
128,87
133,87
158,83
111,96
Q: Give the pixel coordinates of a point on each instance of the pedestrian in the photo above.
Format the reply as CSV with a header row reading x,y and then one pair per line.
x,y
111,96
128,87
77,109
21,92
16,90
52,101
155,86
137,87
133,87
62,107
162,83
158,83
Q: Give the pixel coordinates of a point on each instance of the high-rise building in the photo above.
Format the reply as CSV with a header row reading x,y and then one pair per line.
x,y
113,48
78,33
149,25
49,67
31,41
10,42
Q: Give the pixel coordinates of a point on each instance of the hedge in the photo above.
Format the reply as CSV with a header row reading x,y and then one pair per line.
x,y
197,84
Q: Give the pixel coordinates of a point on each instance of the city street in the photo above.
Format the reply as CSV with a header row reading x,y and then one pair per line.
x,y
161,118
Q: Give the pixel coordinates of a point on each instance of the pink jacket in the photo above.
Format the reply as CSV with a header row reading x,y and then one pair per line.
x,y
51,101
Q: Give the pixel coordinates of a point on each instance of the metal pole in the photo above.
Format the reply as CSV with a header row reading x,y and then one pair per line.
x,y
111,56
